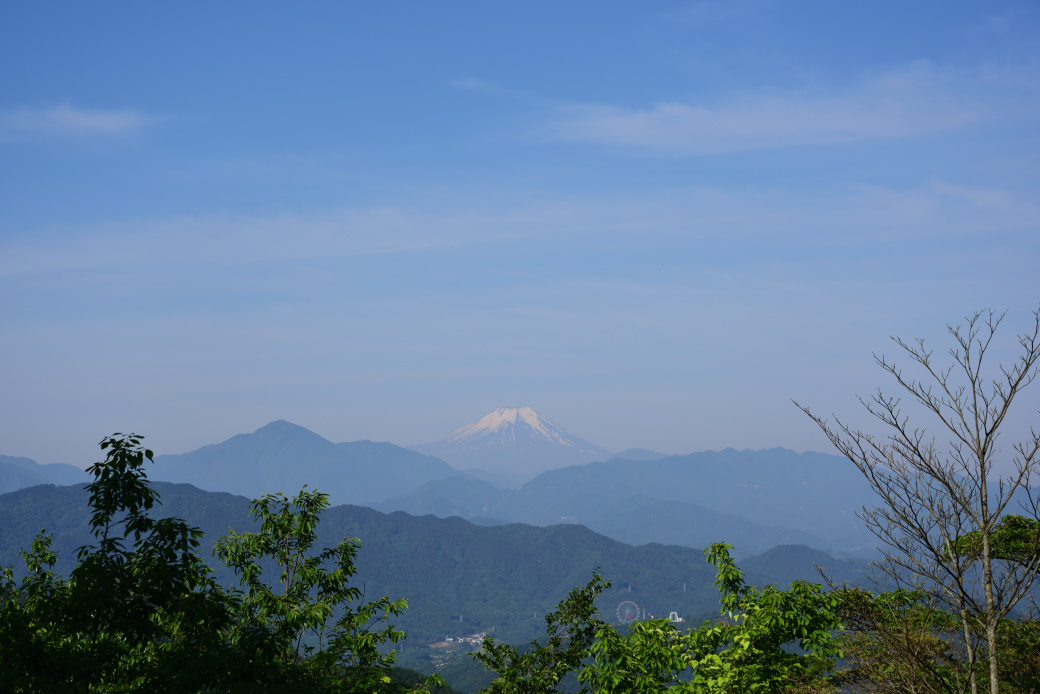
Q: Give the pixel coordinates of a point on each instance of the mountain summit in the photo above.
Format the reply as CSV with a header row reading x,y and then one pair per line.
x,y
513,441
282,456
519,428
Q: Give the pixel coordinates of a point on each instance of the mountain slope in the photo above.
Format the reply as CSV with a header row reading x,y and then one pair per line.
x,y
635,520
506,577
17,473
453,496
639,454
284,456
753,499
787,563
815,493
638,520
515,442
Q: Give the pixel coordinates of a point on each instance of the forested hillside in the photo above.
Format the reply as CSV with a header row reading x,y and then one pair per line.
x,y
459,578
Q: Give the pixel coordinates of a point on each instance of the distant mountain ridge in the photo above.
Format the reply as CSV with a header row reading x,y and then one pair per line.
x,y
752,499
515,442
458,577
633,519
639,454
282,456
18,473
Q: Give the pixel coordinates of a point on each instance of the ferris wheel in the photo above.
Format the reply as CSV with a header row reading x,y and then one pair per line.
x,y
628,612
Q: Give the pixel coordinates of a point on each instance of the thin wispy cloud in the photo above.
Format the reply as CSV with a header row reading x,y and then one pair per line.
x,y
500,207
246,240
860,213
68,121
916,101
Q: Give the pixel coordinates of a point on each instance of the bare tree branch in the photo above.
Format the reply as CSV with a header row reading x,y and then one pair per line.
x,y
932,493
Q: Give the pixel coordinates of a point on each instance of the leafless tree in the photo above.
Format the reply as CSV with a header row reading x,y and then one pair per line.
x,y
934,491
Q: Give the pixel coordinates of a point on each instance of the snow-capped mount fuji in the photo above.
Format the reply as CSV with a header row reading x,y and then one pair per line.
x,y
515,442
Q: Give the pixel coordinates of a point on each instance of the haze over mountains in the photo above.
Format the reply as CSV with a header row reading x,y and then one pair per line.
x,y
458,577
282,456
751,499
16,473
514,442
642,517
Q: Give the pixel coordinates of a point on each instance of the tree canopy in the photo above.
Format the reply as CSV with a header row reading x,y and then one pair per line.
x,y
140,612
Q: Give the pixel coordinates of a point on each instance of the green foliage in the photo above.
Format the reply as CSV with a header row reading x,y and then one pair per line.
x,y
751,650
903,641
943,499
649,658
404,680
30,648
140,611
1019,654
1015,538
570,631
514,574
901,638
137,605
308,617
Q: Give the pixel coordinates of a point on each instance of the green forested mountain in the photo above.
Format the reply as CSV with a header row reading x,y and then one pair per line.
x,y
459,578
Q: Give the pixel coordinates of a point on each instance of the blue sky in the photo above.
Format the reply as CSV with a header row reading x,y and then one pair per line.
x,y
654,223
